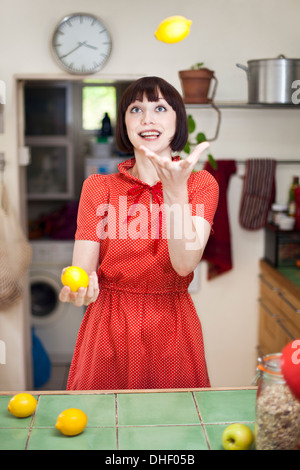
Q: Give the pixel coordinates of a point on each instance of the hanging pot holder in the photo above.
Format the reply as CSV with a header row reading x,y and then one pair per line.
x,y
258,193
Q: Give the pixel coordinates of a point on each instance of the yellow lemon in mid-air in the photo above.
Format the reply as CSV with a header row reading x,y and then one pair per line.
x,y
74,277
22,405
71,422
173,29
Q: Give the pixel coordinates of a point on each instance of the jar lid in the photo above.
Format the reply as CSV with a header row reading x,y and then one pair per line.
x,y
279,207
270,364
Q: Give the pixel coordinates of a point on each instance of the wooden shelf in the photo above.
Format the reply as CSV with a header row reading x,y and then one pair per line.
x,y
243,105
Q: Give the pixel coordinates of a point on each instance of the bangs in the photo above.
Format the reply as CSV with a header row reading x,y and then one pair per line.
x,y
150,90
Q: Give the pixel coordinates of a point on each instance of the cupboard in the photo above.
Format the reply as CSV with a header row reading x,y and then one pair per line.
x,y
279,310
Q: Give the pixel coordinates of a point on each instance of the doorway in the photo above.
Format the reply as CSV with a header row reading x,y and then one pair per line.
x,y
61,122
52,130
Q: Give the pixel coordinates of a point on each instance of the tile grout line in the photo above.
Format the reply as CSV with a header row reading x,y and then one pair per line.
x,y
201,422
117,423
31,424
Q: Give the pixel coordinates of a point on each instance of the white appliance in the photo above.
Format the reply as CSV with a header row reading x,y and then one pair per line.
x,y
102,166
56,324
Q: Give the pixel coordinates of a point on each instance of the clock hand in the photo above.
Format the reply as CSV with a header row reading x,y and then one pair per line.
x,y
89,45
73,50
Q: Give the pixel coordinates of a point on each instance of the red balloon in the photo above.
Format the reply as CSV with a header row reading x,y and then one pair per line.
x,y
290,366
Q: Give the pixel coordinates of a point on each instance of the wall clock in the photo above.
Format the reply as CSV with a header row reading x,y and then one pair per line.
x,y
81,44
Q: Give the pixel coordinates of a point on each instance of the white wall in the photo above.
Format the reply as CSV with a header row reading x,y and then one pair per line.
x,y
222,34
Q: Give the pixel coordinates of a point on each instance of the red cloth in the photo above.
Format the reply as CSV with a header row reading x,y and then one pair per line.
x,y
218,249
143,331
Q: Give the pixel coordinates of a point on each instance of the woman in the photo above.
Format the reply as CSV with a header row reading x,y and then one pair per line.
x,y
140,235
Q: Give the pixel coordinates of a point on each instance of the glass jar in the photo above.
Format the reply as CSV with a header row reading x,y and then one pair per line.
x,y
277,410
278,212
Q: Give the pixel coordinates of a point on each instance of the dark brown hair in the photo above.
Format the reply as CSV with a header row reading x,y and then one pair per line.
x,y
150,87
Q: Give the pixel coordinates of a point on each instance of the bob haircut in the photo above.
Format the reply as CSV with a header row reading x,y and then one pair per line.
x,y
151,87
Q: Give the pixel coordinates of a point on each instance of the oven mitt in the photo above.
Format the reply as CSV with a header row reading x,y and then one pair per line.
x,y
258,193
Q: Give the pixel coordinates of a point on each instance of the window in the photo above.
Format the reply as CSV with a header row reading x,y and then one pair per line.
x,y
96,101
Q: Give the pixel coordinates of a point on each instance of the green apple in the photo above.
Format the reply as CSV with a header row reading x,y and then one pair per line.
x,y
237,436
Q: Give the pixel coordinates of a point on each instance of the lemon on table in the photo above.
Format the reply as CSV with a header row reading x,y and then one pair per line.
x,y
22,405
71,422
173,29
74,277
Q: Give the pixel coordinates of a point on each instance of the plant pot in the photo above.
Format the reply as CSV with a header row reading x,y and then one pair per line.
x,y
195,85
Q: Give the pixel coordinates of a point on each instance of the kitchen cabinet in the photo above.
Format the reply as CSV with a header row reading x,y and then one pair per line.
x,y
279,310
48,134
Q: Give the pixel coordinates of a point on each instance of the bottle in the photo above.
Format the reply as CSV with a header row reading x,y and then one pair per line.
x,y
277,410
106,126
292,203
297,211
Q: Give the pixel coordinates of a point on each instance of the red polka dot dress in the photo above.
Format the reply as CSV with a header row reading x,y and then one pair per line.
x,y
143,331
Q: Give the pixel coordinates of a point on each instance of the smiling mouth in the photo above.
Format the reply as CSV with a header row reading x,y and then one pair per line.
x,y
149,135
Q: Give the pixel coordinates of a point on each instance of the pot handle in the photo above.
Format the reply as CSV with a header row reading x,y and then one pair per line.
x,y
243,67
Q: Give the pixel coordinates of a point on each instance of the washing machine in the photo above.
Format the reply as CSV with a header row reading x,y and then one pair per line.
x,y
56,324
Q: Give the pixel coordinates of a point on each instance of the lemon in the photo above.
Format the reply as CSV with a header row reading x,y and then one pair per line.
x,y
71,422
173,29
74,277
22,405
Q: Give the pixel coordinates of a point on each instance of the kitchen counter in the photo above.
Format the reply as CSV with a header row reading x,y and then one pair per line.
x,y
177,419
288,277
292,275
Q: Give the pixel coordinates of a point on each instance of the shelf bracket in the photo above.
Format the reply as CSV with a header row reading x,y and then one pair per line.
x,y
218,122
212,105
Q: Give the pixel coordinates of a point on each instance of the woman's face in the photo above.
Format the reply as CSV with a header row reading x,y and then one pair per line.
x,y
152,124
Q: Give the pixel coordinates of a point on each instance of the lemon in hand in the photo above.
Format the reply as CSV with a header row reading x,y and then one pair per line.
x,y
74,277
71,422
22,405
173,29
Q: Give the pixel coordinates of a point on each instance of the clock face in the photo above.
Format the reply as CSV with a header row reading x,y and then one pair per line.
x,y
81,44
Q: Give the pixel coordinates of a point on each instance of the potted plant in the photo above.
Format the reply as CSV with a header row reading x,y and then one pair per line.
x,y
199,137
195,84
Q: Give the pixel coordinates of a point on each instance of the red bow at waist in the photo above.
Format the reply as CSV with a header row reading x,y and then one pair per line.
x,y
157,194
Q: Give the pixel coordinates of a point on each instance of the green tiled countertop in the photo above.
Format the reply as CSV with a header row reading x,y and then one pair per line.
x,y
291,273
131,420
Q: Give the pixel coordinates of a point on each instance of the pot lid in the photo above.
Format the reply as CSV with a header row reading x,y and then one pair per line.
x,y
279,58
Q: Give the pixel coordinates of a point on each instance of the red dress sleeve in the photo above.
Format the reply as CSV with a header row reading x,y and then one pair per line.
x,y
93,200
203,195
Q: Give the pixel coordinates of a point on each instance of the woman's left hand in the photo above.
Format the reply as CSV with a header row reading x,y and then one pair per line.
x,y
174,174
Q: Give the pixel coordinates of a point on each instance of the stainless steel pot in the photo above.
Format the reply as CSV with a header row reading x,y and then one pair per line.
x,y
270,81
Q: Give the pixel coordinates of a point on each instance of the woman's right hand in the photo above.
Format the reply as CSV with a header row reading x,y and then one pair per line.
x,y
84,295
